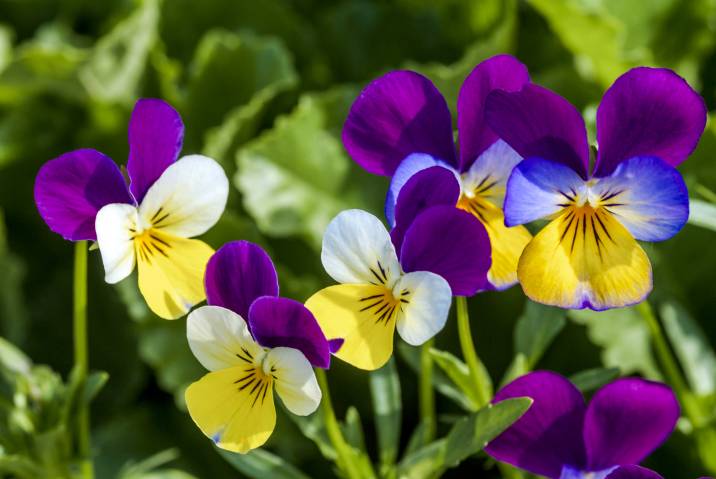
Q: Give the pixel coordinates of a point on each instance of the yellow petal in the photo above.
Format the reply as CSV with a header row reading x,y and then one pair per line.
x,y
364,316
234,407
507,243
585,258
171,272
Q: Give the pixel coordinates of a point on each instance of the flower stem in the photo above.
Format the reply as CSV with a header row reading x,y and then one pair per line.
x,y
427,394
79,316
343,451
468,351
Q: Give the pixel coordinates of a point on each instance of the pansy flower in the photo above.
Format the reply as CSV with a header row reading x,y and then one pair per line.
x,y
252,342
648,122
400,124
561,437
407,286
82,195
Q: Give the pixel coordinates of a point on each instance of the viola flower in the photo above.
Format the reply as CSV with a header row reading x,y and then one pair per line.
x,y
274,349
400,124
82,195
648,122
560,437
382,290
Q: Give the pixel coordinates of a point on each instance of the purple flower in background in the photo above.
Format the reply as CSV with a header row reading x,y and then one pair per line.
x,y
561,437
82,195
401,125
648,122
252,342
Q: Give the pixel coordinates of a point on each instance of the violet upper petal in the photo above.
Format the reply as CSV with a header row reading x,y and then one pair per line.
x,y
237,274
549,435
156,133
633,472
502,72
648,112
430,187
72,188
396,115
276,322
451,243
537,122
626,420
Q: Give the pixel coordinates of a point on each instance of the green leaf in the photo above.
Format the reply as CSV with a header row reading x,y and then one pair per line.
x,y
20,467
292,176
458,373
117,64
251,72
418,438
592,379
536,329
623,337
692,347
706,444
387,410
94,384
12,359
313,427
353,429
260,464
702,214
518,367
5,46
467,437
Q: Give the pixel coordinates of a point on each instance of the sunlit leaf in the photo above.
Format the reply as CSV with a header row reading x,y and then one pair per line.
x,y
459,374
702,213
538,326
260,464
387,411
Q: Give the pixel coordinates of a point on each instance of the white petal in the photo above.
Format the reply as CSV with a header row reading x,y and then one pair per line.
x,y
490,172
296,382
428,299
188,198
357,249
220,339
115,225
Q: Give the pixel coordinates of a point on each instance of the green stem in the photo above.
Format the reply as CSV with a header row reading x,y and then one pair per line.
x,y
427,394
670,365
468,350
79,316
345,460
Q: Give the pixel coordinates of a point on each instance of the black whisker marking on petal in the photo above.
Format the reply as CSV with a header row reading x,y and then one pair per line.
x,y
486,187
376,275
263,396
246,352
370,306
404,301
482,182
244,378
371,297
248,383
597,239
238,355
574,237
405,292
566,229
259,383
604,227
159,220
609,195
258,393
382,271
385,305
159,250
158,239
156,214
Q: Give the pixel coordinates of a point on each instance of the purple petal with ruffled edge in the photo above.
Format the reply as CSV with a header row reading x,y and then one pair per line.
x,y
537,122
626,420
648,196
451,243
72,188
276,322
502,72
237,274
634,472
395,115
156,133
549,435
430,187
648,112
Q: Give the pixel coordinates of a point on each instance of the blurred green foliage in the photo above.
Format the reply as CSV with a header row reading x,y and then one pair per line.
x,y
264,87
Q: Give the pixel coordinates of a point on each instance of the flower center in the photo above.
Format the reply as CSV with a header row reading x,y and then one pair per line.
x,y
386,305
257,377
474,196
148,243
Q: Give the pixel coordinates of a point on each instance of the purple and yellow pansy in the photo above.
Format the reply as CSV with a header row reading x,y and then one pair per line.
x,y
82,195
401,125
561,437
648,122
252,342
401,280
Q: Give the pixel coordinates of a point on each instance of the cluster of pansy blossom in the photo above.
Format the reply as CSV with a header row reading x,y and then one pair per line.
x,y
455,220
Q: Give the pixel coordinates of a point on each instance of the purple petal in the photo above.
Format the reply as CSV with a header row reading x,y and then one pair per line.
x,y
648,112
633,472
237,274
72,188
407,168
537,122
395,115
451,243
277,322
334,345
156,133
502,72
648,196
627,420
549,435
430,187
